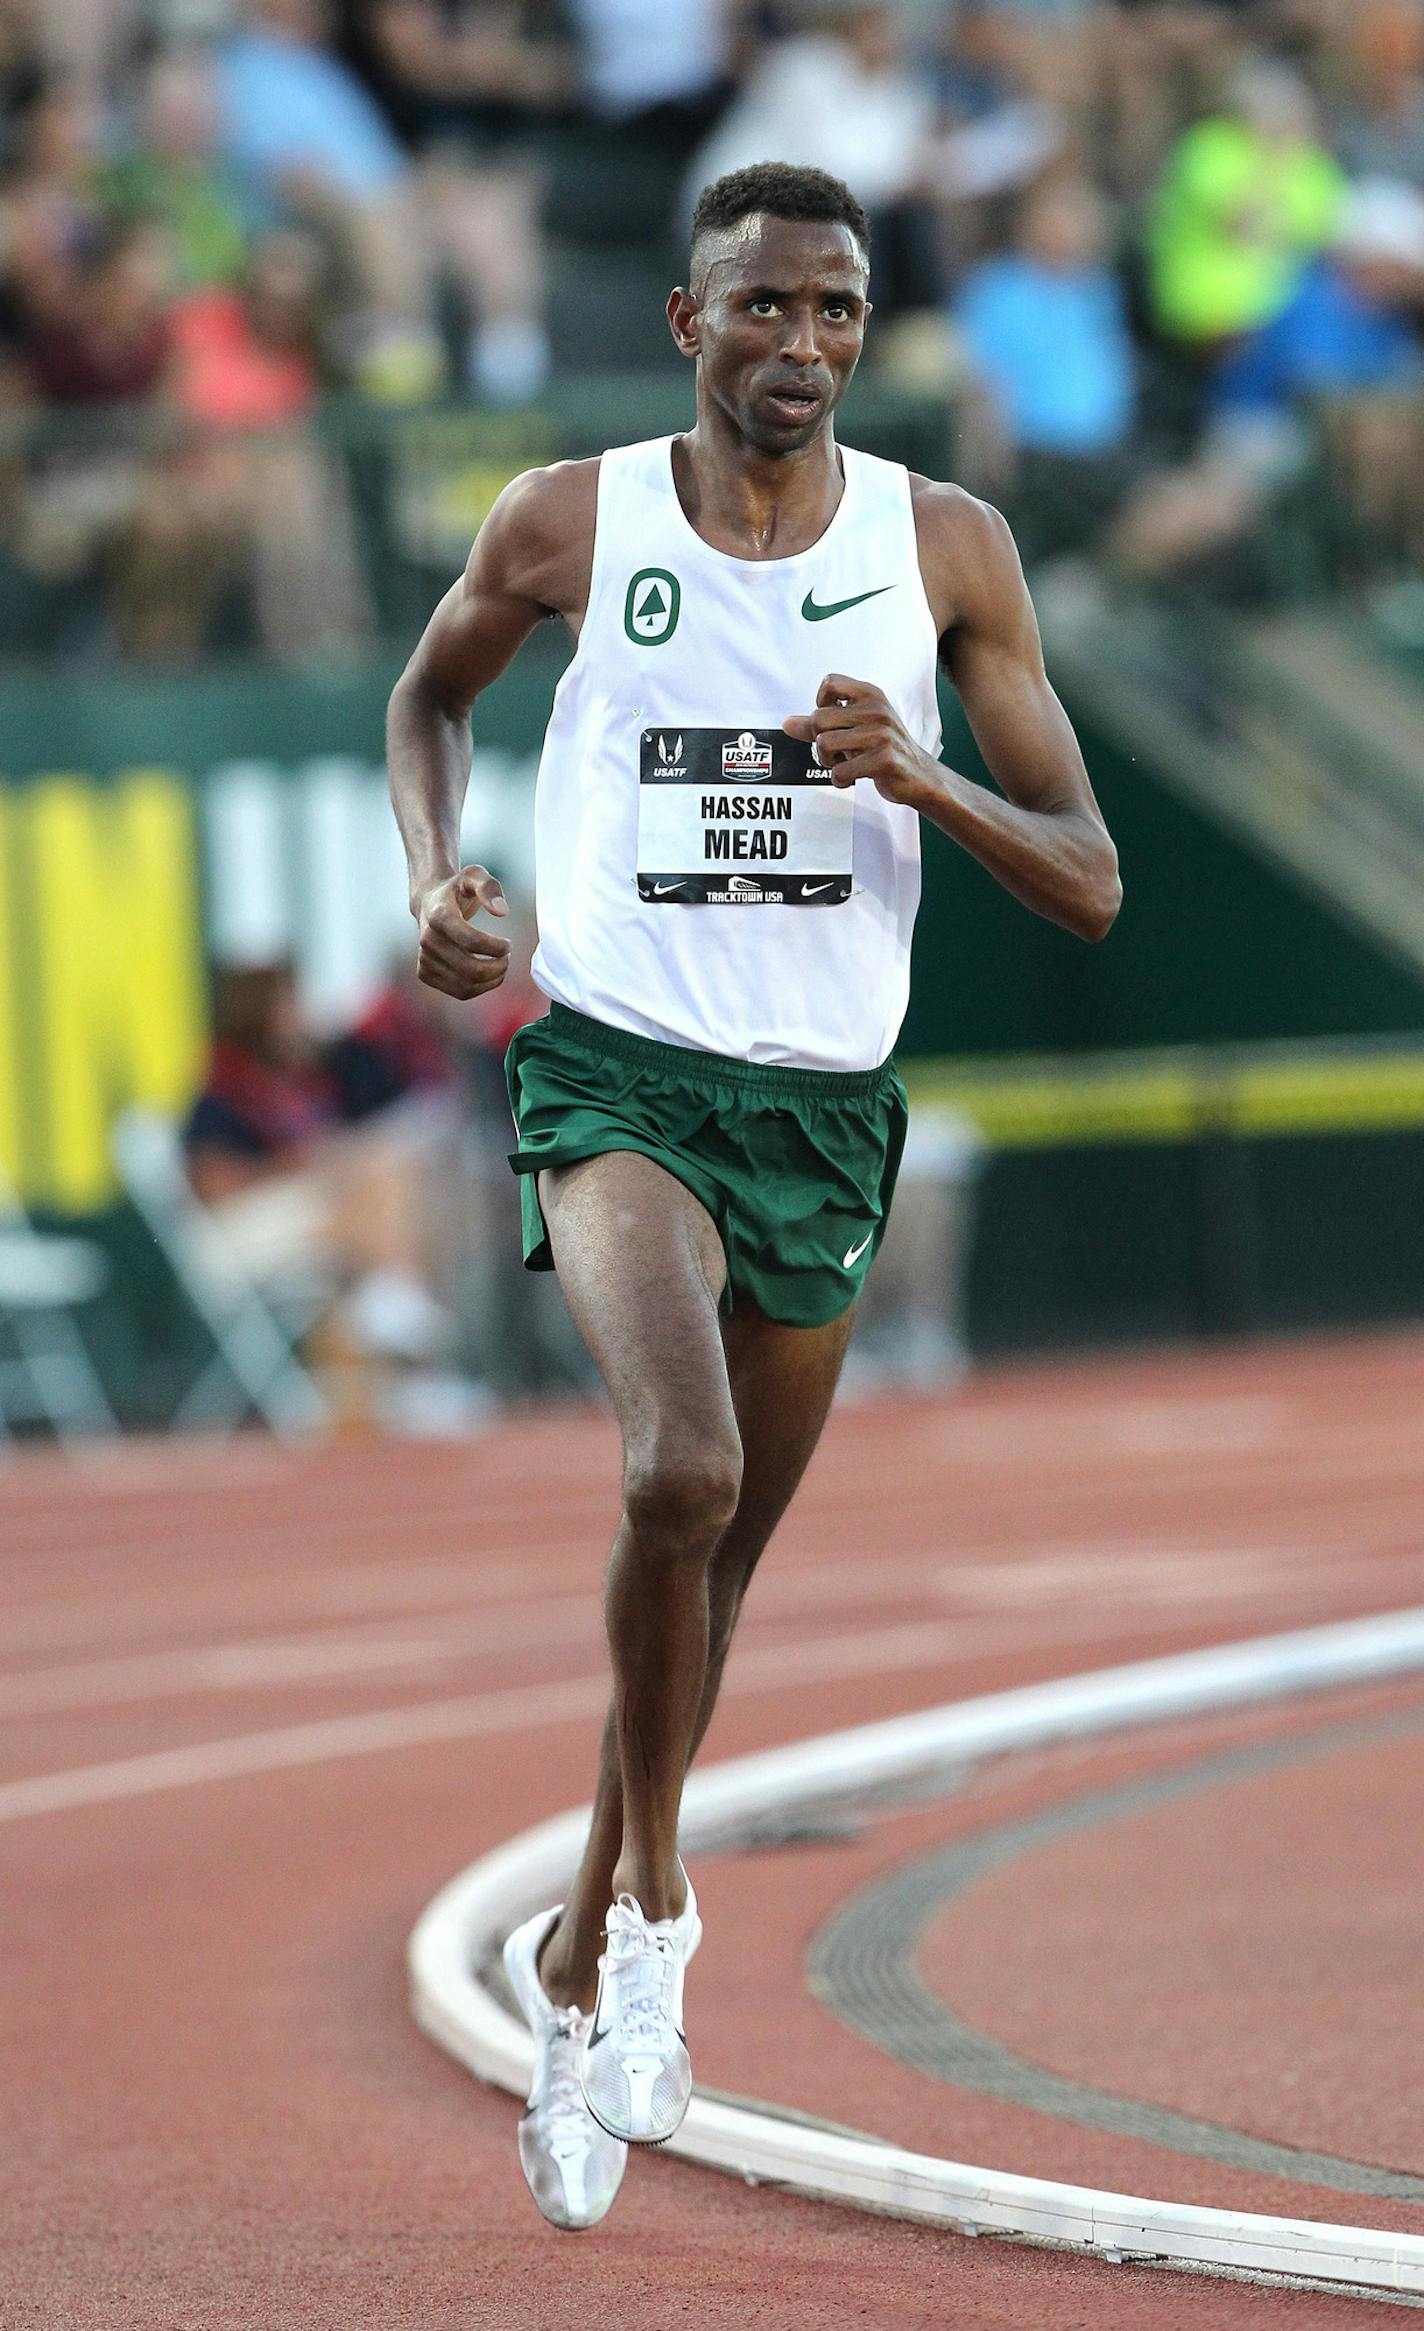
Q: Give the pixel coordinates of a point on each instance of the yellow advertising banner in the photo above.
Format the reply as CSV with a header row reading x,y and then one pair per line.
x,y
102,995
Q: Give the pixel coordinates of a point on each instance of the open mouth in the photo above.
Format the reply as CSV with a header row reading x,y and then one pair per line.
x,y
795,404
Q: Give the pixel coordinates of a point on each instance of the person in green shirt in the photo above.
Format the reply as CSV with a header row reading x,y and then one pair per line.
x,y
1247,197
174,175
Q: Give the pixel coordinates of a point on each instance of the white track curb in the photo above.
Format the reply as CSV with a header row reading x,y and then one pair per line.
x,y
461,1930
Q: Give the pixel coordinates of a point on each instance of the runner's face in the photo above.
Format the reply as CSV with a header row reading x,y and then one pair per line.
x,y
779,328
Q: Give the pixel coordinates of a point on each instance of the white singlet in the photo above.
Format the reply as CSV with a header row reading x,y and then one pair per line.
x,y
700,880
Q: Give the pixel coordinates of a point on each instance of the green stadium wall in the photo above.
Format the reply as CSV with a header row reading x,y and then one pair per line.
x,y
1078,1240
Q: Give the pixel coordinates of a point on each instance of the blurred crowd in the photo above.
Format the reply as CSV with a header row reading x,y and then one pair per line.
x,y
1161,254
356,1178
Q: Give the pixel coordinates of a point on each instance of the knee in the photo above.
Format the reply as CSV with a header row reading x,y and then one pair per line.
x,y
680,1499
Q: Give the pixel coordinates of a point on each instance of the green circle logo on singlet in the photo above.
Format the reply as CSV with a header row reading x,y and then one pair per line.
x,y
652,607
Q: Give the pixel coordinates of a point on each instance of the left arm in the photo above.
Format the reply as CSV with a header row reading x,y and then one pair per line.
x,y
1045,841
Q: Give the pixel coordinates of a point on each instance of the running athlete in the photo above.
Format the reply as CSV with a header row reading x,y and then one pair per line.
x,y
709,1120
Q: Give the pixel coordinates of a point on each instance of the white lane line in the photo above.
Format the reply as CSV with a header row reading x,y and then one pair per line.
x,y
457,1933
1118,1429
264,1539
532,1621
1129,1439
276,1660
397,1589
527,1621
1098,1598
764,1667
390,1588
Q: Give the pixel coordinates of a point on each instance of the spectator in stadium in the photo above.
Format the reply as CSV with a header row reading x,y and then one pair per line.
x,y
1050,46
247,372
23,73
1045,329
1246,199
1382,134
311,147
1341,359
996,133
94,333
266,1101
470,87
1350,326
1346,351
172,170
88,41
659,69
98,330
52,206
343,1215
402,1045
1159,64
843,84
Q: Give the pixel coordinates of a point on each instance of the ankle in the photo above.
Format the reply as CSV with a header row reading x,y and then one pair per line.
x,y
567,1976
659,1893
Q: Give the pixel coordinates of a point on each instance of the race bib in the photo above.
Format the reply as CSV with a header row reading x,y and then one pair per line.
x,y
740,817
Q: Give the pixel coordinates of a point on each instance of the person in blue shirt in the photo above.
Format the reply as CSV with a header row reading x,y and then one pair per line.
x,y
1044,327
1337,370
1352,321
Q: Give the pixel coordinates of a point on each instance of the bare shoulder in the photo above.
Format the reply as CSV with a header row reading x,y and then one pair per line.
x,y
967,553
552,502
537,542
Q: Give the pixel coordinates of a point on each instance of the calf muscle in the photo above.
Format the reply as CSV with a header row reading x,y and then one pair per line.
x,y
720,1418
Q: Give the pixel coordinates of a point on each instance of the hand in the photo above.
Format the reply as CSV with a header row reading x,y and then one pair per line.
x,y
455,956
857,733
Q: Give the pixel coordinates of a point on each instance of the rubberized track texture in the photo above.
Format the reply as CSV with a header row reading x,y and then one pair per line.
x,y
257,1704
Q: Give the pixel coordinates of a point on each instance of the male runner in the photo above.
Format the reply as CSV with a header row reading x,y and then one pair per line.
x,y
709,1120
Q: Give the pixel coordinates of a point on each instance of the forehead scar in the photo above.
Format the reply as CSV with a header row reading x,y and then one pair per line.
x,y
735,245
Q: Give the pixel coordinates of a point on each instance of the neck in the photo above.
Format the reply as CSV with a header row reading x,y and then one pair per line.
x,y
756,504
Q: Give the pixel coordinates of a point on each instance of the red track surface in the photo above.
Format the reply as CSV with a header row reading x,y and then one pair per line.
x,y
256,1705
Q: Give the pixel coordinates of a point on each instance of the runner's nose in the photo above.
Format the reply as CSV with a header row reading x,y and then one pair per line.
x,y
799,346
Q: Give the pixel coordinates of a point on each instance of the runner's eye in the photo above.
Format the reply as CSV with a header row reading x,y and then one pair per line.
x,y
764,307
838,312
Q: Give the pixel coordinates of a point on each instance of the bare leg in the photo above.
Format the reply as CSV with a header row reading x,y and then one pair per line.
x,y
782,1380
642,1269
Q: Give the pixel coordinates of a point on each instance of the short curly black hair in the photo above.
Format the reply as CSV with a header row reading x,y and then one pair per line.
x,y
782,190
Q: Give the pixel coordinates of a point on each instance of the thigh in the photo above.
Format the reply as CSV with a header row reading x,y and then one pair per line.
x,y
642,1270
783,1380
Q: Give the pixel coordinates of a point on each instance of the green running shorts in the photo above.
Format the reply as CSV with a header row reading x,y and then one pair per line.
x,y
796,1166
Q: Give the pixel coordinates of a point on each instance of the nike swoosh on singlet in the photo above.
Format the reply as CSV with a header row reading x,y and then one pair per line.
x,y
815,614
854,1253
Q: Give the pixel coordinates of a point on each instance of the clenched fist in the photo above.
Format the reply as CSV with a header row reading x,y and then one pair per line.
x,y
456,955
857,733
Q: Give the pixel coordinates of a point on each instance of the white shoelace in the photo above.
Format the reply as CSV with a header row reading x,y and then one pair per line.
x,y
567,2114
643,1963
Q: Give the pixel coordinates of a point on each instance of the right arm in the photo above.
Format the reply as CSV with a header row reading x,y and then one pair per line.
x,y
532,557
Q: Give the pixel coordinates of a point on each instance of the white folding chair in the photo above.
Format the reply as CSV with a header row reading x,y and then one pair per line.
x,y
254,1363
46,1374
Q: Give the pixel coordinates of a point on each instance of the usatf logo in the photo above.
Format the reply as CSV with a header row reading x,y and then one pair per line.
x,y
667,762
742,882
652,607
746,756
